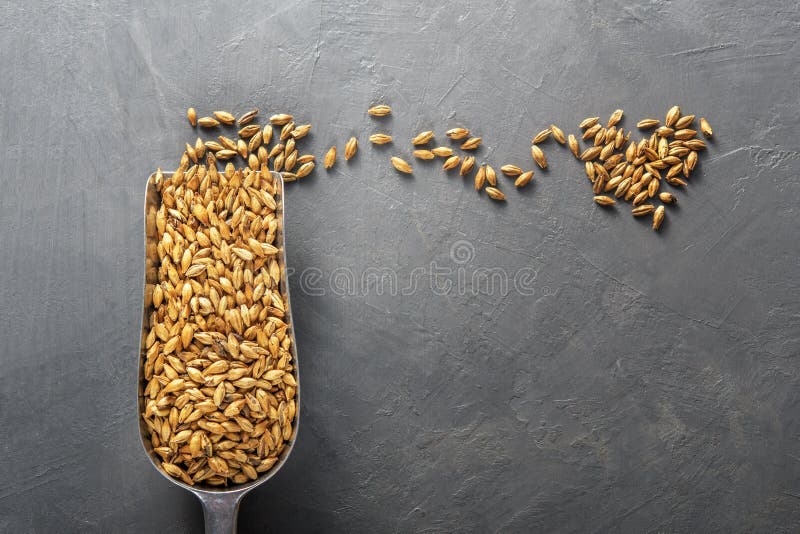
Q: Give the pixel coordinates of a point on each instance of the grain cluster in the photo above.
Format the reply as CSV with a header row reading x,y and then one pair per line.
x,y
219,392
485,178
633,171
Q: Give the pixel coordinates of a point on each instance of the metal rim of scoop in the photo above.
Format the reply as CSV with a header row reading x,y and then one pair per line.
x,y
237,491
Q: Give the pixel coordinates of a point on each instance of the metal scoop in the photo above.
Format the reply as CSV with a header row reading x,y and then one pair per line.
x,y
220,505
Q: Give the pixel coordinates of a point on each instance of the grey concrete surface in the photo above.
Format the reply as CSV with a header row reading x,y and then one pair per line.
x,y
629,381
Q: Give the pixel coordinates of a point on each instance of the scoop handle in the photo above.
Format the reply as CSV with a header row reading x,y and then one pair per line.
x,y
220,512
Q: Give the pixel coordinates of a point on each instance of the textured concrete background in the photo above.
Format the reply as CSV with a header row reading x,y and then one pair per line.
x,y
648,383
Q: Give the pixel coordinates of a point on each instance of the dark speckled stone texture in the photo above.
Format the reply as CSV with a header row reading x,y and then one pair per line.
x,y
650,382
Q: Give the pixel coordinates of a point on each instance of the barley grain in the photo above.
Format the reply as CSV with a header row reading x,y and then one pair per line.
x,y
667,198
705,127
457,133
422,138
523,179
538,156
280,119
350,148
380,110
224,117
451,163
380,139
591,153
480,178
471,144
401,165
491,176
511,170
658,218
558,134
541,136
646,124
684,122
573,146
207,122
248,117
673,115
466,165
495,194
614,118
644,209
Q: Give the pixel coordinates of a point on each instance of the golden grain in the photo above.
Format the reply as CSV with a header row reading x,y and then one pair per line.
x,y
558,134
614,118
604,200
225,154
471,144
480,178
224,117
691,160
290,160
300,131
491,176
588,122
685,134
684,122
510,170
667,198
495,194
380,110
705,127
330,158
401,165
664,131
644,209
695,144
457,133
673,115
248,117
305,169
255,142
523,179
213,146
226,142
538,156
541,136
249,131
658,218
380,139
589,169
422,138
573,146
424,154
191,114
286,131
466,165
622,188
190,151
443,151
591,153
591,132
280,119
350,148
451,163
207,122
646,124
